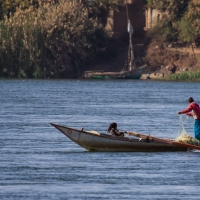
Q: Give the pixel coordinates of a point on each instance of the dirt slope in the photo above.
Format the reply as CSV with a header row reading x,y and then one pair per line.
x,y
162,60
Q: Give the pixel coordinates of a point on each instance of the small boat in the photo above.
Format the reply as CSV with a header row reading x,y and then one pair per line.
x,y
133,74
95,141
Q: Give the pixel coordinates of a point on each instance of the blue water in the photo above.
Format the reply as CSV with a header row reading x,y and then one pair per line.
x,y
39,162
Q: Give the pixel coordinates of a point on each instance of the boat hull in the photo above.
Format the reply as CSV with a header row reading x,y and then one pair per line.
x,y
134,74
103,142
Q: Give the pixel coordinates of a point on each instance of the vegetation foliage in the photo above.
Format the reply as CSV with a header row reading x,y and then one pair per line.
x,y
182,21
50,39
54,38
101,8
185,76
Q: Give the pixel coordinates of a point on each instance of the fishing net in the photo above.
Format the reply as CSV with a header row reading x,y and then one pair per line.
x,y
184,137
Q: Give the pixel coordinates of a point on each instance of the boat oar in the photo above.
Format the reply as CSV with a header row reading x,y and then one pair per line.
x,y
143,136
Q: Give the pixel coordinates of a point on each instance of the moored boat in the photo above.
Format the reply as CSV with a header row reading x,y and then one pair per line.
x,y
95,141
133,74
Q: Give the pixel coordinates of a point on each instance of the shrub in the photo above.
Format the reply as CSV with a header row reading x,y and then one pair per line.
x,y
54,40
185,76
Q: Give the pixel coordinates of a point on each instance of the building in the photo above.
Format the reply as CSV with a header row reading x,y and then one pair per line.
x,y
152,17
117,20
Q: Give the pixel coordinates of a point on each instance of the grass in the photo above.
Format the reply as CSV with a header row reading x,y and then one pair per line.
x,y
185,76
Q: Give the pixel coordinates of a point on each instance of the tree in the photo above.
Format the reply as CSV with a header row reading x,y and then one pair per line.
x,y
183,19
52,40
193,17
9,6
101,9
186,31
163,32
174,8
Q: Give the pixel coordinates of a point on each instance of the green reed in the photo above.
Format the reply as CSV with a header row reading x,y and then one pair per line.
x,y
186,76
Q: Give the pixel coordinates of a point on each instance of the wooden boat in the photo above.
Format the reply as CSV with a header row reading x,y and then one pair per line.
x,y
133,74
95,141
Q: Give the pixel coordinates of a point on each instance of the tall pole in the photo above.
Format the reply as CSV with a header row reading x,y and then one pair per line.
x,y
130,52
131,60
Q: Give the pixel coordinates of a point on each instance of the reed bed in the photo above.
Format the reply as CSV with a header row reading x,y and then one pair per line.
x,y
53,40
185,76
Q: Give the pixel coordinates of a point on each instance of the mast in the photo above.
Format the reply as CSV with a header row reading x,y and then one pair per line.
x,y
131,59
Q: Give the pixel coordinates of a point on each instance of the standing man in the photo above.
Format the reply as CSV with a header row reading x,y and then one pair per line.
x,y
193,110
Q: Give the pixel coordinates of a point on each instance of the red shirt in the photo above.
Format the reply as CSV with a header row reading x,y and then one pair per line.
x,y
192,110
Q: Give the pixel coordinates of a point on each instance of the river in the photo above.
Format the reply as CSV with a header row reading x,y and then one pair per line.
x,y
39,162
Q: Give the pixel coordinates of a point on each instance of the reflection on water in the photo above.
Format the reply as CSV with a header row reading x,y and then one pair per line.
x,y
39,162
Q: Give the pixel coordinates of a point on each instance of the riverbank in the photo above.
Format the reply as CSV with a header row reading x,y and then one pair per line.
x,y
167,60
162,60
